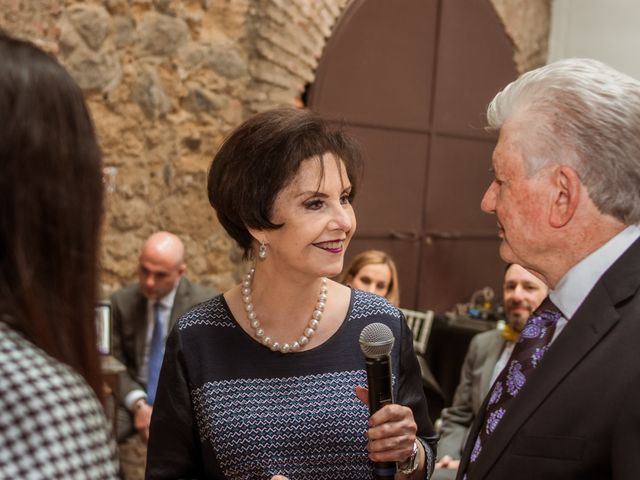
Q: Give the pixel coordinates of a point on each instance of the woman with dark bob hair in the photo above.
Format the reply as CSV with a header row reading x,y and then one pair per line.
x,y
266,380
51,422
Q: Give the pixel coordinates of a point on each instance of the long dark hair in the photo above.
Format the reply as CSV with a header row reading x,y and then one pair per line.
x,y
51,209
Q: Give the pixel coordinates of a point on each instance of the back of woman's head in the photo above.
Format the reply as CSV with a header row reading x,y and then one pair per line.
x,y
51,209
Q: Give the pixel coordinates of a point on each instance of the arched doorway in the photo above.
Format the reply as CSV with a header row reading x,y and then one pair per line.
x,y
411,79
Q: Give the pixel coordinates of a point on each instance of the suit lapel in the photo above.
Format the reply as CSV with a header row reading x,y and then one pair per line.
x,y
494,352
595,317
140,319
180,302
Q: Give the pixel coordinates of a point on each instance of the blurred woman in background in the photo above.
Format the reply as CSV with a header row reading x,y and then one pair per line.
x,y
374,271
52,423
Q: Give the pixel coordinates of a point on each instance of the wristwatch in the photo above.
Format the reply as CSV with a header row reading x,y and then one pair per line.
x,y
410,465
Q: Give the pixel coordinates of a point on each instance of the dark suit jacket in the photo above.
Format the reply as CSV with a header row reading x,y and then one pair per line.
x,y
578,415
130,326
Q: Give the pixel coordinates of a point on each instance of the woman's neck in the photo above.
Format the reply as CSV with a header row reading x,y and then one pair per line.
x,y
287,299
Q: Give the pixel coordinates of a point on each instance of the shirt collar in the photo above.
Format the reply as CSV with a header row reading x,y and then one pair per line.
x,y
576,284
168,299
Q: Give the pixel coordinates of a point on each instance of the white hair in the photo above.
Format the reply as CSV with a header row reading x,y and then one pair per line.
x,y
584,114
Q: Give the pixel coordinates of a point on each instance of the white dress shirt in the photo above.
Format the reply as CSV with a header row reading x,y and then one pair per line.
x,y
577,283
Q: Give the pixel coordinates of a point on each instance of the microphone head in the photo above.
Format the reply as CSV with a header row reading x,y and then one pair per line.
x,y
376,340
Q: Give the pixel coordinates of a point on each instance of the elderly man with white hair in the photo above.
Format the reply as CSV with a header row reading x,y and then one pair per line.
x,y
566,196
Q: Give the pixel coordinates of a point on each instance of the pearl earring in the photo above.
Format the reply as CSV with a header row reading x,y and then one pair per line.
x,y
262,251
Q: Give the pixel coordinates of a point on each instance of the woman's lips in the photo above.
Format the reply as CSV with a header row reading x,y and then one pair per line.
x,y
335,246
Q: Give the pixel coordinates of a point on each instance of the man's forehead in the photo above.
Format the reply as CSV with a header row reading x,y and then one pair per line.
x,y
157,267
506,154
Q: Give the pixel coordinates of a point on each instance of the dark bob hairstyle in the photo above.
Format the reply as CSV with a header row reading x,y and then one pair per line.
x,y
261,157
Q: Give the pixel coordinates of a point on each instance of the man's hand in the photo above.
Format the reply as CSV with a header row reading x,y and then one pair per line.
x,y
142,418
448,463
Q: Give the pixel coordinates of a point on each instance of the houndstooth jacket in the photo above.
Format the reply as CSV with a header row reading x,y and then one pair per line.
x,y
51,423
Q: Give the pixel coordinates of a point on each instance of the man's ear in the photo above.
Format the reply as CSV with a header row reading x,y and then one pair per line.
x,y
182,269
566,195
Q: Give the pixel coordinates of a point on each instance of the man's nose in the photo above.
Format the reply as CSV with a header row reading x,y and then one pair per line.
x,y
518,293
488,203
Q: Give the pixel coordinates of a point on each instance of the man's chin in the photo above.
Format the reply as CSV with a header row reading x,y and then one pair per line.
x,y
506,253
517,321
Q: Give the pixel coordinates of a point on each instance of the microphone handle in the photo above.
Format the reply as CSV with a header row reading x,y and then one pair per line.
x,y
380,394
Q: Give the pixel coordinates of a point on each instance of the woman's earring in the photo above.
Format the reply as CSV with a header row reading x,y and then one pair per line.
x,y
262,251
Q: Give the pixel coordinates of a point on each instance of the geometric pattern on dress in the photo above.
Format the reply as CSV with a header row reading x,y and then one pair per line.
x,y
211,313
307,427
51,424
532,344
369,305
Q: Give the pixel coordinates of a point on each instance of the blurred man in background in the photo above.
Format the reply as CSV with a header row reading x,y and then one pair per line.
x,y
487,355
143,315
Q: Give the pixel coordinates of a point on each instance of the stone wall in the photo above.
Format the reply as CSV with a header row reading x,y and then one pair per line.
x,y
527,24
167,80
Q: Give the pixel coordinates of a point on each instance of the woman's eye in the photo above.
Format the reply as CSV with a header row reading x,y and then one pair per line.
x,y
346,198
314,204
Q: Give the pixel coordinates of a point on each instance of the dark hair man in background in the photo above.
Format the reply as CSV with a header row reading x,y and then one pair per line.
x,y
566,197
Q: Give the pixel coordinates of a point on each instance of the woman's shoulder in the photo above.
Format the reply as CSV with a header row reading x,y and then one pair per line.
x,y
211,313
46,402
25,368
367,305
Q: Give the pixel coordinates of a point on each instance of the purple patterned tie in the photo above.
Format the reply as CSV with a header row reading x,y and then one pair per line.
x,y
527,353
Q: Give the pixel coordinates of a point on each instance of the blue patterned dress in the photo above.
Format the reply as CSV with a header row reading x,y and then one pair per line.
x,y
229,408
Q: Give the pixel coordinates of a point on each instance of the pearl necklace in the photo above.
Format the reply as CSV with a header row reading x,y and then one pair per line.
x,y
266,340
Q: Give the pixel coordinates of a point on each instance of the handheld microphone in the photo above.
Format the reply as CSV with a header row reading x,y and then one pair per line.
x,y
376,342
